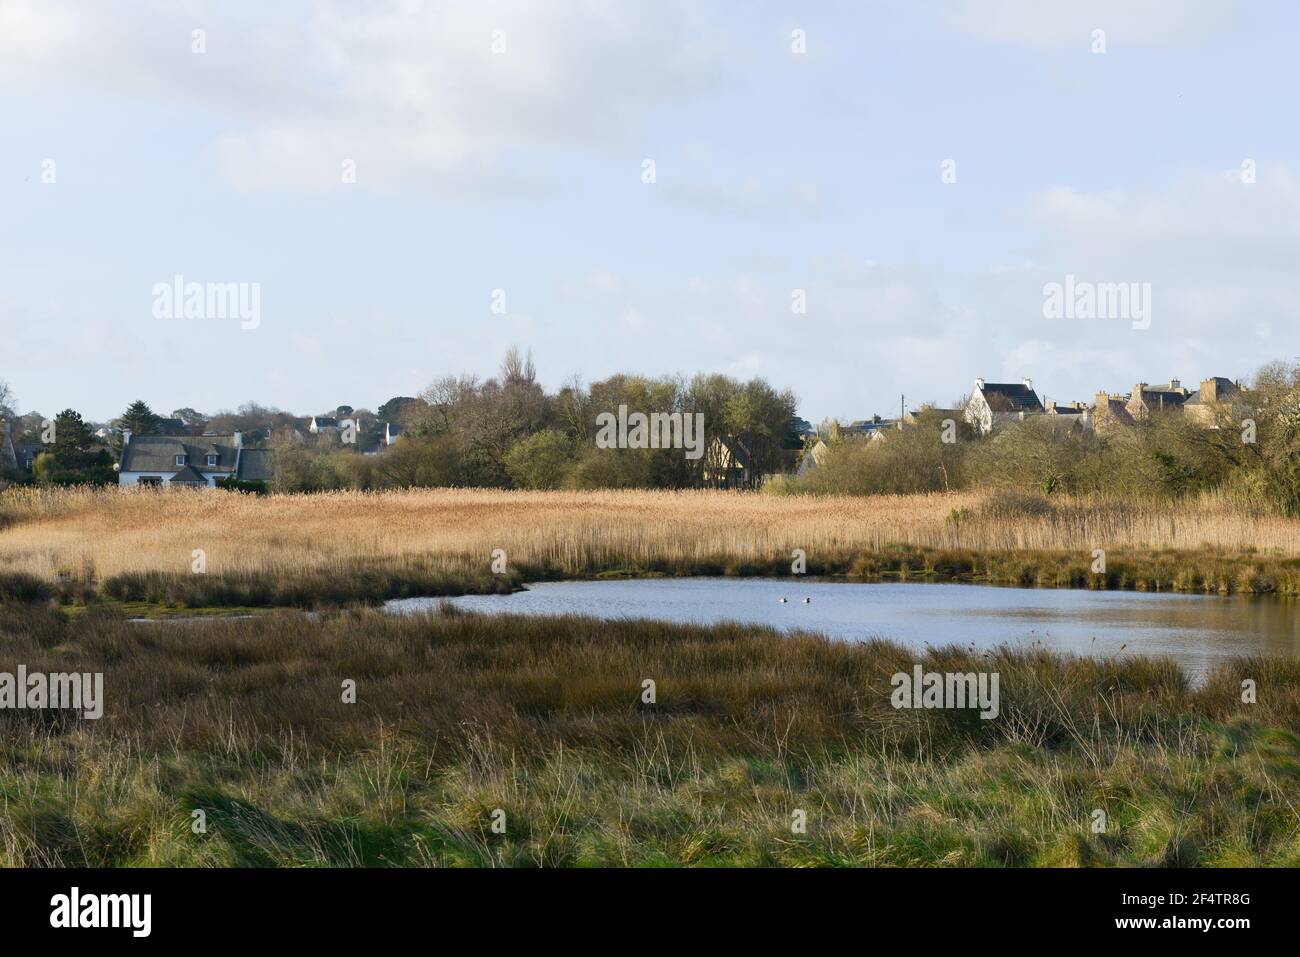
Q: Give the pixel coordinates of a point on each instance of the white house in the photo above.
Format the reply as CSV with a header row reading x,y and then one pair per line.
x,y
189,460
995,403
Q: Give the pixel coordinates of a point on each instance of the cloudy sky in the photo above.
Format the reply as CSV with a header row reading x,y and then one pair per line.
x,y
500,155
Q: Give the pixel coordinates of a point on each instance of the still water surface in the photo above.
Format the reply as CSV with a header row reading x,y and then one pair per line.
x,y
1195,629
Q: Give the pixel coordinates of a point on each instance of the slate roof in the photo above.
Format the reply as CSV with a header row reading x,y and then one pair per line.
x,y
1164,396
157,453
325,422
189,476
1117,409
1226,387
1011,397
255,465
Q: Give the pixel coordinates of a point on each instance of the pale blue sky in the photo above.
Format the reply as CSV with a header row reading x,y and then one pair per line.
x,y
521,171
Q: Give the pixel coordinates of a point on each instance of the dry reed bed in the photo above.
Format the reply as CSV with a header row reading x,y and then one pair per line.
x,y
104,532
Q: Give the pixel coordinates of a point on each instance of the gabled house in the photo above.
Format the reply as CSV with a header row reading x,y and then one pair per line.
x,y
391,431
1110,412
1216,402
1146,400
814,453
183,460
322,423
996,403
727,464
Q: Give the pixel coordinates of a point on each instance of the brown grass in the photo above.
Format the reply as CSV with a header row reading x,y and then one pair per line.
x,y
97,533
457,715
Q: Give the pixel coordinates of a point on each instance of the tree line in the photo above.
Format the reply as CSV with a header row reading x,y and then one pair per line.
x,y
1250,455
506,431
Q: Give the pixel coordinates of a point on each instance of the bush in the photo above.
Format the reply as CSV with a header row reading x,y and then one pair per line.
x,y
540,461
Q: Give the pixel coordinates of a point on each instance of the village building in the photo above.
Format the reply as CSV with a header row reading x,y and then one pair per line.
x,y
813,455
727,464
996,403
1217,402
165,460
1110,412
1066,416
1146,400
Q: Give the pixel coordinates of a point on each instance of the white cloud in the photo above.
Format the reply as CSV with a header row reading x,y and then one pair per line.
x,y
412,92
1219,253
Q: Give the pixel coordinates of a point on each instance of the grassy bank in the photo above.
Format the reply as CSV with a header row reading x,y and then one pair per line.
x,y
459,715
140,545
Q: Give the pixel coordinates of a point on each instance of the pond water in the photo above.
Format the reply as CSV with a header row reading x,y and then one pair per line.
x,y
1197,630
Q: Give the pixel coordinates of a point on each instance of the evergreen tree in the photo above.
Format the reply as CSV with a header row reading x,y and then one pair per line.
x,y
139,418
75,455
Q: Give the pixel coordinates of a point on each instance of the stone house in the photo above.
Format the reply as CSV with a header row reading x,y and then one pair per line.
x,y
1109,412
1146,400
1216,402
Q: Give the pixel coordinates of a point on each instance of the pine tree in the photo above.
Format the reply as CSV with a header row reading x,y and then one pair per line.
x,y
139,418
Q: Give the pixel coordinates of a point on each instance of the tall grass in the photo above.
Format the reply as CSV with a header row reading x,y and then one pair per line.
x,y
458,715
346,545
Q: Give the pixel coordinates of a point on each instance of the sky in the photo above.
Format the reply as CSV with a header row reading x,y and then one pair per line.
x,y
856,201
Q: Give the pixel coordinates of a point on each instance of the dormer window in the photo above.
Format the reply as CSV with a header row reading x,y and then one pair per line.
x,y
180,459
212,461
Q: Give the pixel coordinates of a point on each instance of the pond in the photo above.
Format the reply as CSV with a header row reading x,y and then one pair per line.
x,y
1197,630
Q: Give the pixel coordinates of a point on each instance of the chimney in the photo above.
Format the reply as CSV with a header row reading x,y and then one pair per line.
x,y
239,440
1209,390
126,437
1029,384
979,385
1174,384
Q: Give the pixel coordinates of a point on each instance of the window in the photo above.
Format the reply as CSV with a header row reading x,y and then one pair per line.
x,y
212,461
154,480
180,459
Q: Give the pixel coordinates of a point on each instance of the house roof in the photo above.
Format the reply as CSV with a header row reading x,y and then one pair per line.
x,y
1163,395
324,421
735,455
189,475
157,453
1011,397
1115,408
1226,388
255,465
